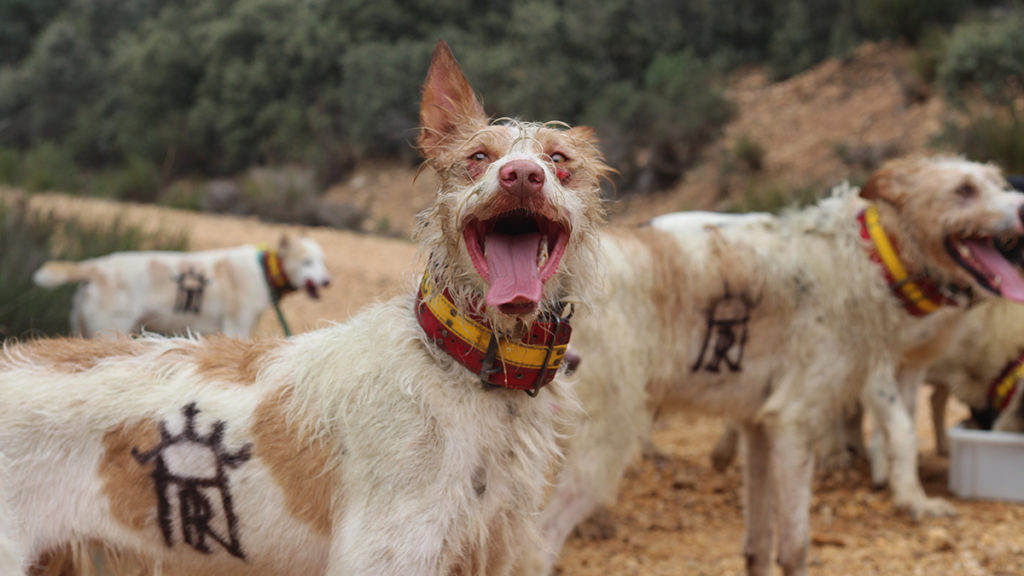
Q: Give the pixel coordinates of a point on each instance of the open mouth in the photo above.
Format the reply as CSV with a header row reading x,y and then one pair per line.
x,y
995,263
312,290
515,253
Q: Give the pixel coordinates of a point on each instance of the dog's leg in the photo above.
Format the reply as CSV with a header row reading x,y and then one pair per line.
x,y
886,399
939,398
759,500
793,466
725,449
12,555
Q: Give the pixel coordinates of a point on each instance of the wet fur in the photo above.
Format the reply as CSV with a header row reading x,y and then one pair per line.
x,y
360,448
823,327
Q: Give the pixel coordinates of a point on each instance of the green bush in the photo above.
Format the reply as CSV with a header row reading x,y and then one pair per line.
x,y
30,238
50,167
989,138
986,57
760,196
749,152
10,166
137,180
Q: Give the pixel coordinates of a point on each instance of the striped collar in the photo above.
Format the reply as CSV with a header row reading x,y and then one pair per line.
x,y
525,364
273,272
918,294
1000,392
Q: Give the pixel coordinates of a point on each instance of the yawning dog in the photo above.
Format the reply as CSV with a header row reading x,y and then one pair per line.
x,y
776,323
404,441
180,292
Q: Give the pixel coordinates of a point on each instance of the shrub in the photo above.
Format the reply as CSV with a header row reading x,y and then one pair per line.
x,y
987,57
50,167
989,137
137,180
30,238
760,196
749,152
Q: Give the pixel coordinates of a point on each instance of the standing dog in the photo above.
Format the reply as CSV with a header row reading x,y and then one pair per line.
x,y
179,292
984,368
398,443
776,323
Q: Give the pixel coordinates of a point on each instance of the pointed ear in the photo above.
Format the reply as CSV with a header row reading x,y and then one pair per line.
x,y
583,133
284,243
448,102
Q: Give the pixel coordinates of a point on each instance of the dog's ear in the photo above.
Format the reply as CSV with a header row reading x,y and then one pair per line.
x,y
583,133
880,187
284,243
449,104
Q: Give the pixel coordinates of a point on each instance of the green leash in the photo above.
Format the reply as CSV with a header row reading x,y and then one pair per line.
x,y
263,256
280,318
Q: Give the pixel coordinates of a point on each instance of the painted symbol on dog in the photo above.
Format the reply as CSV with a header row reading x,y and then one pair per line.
x,y
725,335
190,291
194,468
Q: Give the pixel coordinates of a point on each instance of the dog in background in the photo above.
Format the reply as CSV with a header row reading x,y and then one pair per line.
x,y
186,292
415,438
778,322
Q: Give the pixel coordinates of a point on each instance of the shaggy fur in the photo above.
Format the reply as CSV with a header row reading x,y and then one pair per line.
x,y
361,448
822,323
127,292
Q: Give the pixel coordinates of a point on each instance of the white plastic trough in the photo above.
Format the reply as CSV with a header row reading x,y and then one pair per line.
x,y
986,465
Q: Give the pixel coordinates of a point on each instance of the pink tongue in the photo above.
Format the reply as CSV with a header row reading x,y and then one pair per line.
x,y
512,261
1012,286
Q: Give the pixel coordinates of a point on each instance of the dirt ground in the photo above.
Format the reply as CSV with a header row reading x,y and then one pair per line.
x,y
675,515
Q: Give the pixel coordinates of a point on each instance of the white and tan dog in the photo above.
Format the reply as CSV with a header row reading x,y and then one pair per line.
x,y
776,323
361,448
180,292
984,368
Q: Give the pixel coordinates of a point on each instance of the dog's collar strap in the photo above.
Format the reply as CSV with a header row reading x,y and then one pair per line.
x,y
273,272
1000,392
526,364
919,296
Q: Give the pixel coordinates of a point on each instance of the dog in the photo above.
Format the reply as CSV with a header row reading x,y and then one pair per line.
x,y
180,292
776,323
376,446
984,369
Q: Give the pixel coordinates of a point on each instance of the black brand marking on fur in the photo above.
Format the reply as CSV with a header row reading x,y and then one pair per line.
x,y
190,291
725,336
479,480
197,494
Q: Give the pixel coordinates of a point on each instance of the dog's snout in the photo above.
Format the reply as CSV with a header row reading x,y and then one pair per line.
x,y
1020,214
521,177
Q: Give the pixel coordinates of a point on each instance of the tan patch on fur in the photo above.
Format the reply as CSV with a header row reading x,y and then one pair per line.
x,y
232,360
75,355
303,466
126,483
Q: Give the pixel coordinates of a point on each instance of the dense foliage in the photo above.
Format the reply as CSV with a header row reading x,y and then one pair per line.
x,y
211,87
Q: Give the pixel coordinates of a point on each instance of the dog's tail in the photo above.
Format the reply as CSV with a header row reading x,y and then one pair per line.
x,y
57,272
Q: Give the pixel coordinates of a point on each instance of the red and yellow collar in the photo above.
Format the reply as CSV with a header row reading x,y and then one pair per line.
x,y
919,295
526,364
273,272
1000,392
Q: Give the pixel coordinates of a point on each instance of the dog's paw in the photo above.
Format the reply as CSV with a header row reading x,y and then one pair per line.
x,y
929,508
600,526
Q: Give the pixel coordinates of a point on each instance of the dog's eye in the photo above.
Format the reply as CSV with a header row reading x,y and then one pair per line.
x,y
966,190
478,156
307,262
558,158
